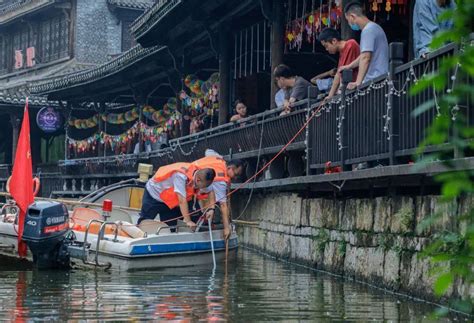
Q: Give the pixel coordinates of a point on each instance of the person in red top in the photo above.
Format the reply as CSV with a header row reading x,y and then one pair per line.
x,y
348,51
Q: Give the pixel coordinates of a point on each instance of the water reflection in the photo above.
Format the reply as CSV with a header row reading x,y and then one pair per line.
x,y
254,288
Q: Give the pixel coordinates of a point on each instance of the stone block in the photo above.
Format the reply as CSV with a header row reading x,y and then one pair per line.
x,y
424,210
448,215
347,215
350,260
335,235
375,264
305,231
278,244
465,205
416,275
364,214
403,215
302,249
331,213
305,211
316,213
334,253
391,269
434,215
317,255
382,214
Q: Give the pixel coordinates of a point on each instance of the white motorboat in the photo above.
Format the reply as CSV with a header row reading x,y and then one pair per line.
x,y
86,236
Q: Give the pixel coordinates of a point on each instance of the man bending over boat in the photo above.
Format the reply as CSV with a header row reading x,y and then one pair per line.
x,y
217,192
171,191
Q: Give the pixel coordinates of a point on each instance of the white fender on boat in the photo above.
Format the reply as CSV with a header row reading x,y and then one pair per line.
x,y
152,226
131,230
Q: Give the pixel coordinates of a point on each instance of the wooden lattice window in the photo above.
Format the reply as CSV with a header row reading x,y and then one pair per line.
x,y
54,40
23,37
49,38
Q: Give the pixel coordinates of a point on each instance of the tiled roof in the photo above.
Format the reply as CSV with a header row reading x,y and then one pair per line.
x,y
134,4
146,21
16,89
17,96
128,58
15,9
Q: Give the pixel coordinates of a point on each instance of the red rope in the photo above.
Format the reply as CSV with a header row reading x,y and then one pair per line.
x,y
248,180
264,166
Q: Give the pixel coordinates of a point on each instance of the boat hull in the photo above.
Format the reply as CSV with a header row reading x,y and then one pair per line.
x,y
156,251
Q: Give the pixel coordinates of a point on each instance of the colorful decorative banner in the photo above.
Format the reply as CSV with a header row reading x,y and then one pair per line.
x,y
306,27
203,97
121,118
147,133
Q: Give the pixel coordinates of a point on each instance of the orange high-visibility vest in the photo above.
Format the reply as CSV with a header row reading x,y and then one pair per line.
x,y
218,164
168,196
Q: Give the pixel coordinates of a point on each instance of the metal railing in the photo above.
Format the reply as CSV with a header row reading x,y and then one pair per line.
x,y
376,123
237,140
412,129
373,124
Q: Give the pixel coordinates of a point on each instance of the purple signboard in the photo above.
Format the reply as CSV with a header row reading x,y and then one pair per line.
x,y
48,120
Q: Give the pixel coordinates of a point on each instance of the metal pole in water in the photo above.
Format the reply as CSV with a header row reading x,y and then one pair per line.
x,y
212,244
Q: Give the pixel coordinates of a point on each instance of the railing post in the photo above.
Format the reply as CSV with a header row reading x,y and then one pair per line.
x,y
312,99
396,59
346,78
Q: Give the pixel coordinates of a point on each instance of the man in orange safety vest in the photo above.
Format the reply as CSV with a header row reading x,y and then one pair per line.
x,y
216,193
171,190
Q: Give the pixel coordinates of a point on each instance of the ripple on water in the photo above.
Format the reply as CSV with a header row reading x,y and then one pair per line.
x,y
255,288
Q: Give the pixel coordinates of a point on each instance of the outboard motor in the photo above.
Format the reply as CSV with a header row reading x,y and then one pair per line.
x,y
46,227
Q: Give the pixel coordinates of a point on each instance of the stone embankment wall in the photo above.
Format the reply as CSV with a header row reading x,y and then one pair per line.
x,y
373,240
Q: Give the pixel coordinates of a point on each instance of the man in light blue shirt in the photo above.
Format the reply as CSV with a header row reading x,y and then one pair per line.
x,y
426,23
373,59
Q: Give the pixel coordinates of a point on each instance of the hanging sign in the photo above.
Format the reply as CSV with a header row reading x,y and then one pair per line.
x,y
48,120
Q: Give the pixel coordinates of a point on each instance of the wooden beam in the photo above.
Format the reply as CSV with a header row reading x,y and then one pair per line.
x,y
346,31
224,75
15,122
278,46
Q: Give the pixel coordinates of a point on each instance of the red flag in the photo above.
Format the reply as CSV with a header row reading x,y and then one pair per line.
x,y
21,184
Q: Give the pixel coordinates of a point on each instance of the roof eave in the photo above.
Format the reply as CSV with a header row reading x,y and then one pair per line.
x,y
23,10
150,18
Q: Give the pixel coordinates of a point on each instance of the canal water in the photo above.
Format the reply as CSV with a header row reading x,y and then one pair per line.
x,y
255,288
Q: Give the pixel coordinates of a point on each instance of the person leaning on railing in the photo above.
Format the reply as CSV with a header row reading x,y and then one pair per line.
x,y
373,60
295,87
348,51
240,111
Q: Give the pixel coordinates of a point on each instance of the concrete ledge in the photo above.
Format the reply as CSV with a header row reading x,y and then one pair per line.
x,y
402,171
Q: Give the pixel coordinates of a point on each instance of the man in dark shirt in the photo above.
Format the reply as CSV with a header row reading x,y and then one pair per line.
x,y
348,51
295,87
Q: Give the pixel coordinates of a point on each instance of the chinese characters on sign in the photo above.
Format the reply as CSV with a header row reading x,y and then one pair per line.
x,y
30,58
18,59
48,120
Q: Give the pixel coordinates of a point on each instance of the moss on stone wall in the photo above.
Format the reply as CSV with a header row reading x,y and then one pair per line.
x,y
370,239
